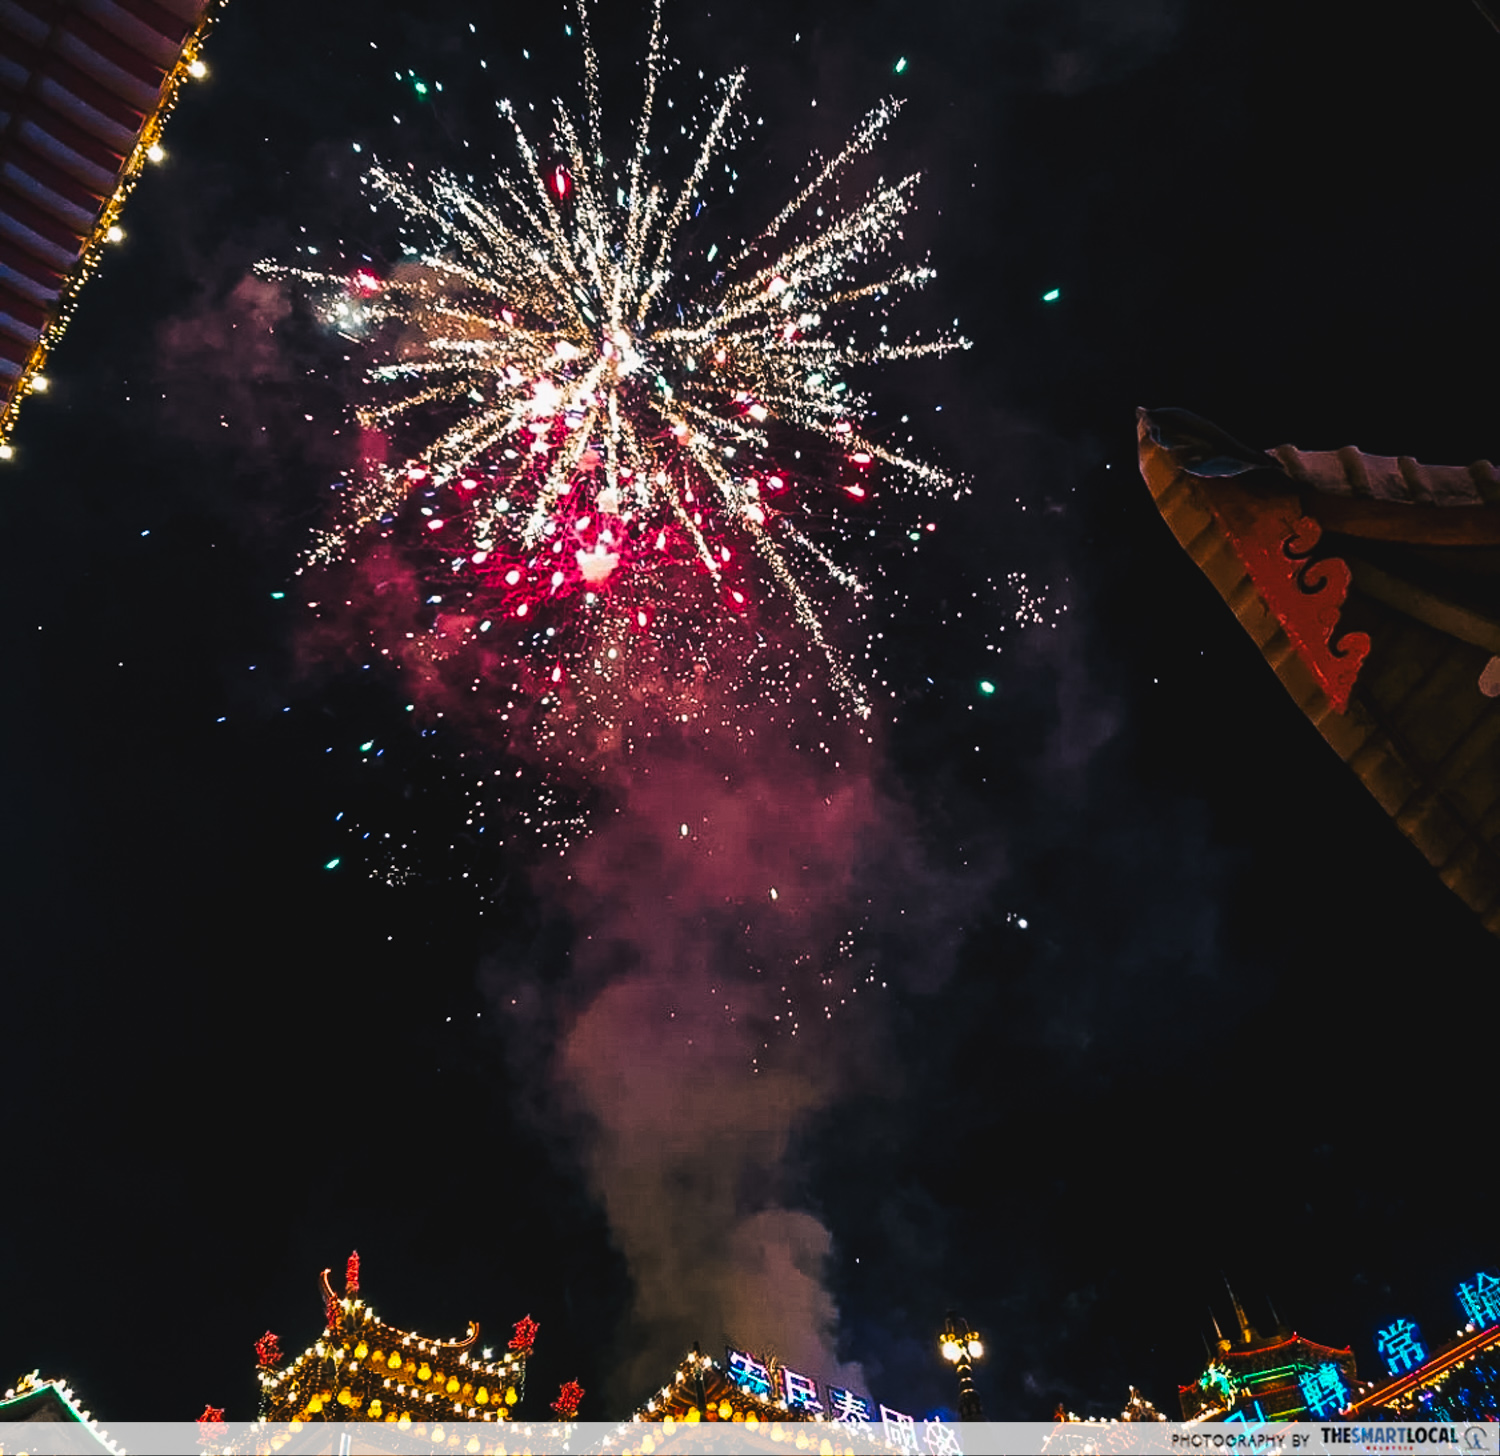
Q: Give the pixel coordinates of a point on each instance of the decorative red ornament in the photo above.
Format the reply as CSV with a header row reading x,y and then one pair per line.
x,y
525,1335
566,1404
351,1274
213,1428
268,1351
1275,541
331,1311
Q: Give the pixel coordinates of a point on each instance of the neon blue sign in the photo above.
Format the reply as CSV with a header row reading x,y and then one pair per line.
x,y
1480,1300
1324,1391
1400,1346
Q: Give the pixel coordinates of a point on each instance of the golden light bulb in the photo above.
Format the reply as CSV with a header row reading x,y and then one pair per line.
x,y
196,69
154,152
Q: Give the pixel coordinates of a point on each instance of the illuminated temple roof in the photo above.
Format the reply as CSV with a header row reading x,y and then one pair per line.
x,y
362,1369
1371,585
33,1399
703,1391
85,87
1262,1379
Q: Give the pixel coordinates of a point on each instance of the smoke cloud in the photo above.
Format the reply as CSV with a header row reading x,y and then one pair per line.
x,y
743,917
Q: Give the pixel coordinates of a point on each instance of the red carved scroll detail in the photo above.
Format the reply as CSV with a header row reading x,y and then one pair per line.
x,y
1274,540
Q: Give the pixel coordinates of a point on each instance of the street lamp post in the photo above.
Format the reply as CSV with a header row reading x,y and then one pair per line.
x,y
961,1347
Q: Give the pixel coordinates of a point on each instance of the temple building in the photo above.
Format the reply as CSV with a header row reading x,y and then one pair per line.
x,y
362,1369
1371,585
33,1399
85,89
773,1407
1278,1377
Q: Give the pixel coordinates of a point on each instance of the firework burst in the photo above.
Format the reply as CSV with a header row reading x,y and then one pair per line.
x,y
618,451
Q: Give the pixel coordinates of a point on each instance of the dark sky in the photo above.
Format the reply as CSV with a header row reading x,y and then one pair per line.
x,y
1242,1030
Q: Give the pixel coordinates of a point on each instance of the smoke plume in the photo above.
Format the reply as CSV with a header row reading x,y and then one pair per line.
x,y
743,918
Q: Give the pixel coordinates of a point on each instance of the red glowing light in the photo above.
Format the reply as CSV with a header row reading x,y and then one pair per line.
x,y
562,183
364,284
857,491
434,524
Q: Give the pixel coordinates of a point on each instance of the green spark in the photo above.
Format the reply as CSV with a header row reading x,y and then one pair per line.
x,y
1052,295
986,687
332,864
901,65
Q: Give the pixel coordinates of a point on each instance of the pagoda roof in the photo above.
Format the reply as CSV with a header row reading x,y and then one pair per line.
x,y
701,1390
53,1401
361,1368
1371,586
1282,1347
85,89
1276,1350
702,1393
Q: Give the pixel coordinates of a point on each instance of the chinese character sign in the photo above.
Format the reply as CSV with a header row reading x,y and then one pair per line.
x,y
1480,1300
799,1391
1324,1390
899,1430
749,1374
940,1440
1400,1346
844,1405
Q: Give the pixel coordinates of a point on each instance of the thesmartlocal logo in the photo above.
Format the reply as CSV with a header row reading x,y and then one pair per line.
x,y
1394,1438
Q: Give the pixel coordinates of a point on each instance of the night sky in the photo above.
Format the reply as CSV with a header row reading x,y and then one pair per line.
x,y
1243,1028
